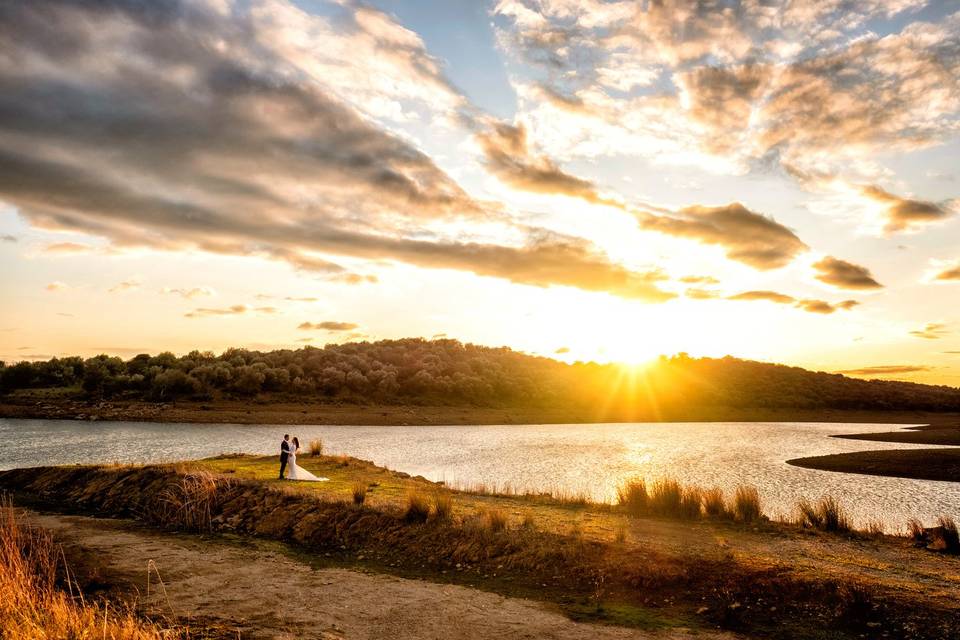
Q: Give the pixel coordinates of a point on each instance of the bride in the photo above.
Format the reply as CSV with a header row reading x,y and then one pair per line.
x,y
299,473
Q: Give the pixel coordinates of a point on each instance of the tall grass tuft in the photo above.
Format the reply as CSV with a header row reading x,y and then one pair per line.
x,y
915,530
690,502
32,607
189,502
948,538
632,496
359,493
442,506
316,448
665,497
714,504
746,504
495,520
827,515
418,507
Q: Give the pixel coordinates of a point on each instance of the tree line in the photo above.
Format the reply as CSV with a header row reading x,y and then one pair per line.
x,y
445,372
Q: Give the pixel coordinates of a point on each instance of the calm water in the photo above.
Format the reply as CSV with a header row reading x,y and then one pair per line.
x,y
578,458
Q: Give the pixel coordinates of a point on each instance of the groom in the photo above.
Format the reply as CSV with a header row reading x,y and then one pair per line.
x,y
284,453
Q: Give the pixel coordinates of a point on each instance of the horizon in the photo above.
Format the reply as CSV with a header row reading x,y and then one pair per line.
x,y
584,181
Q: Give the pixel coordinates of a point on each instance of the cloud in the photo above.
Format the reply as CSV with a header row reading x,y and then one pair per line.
x,y
769,296
328,325
262,145
8,238
66,248
699,280
844,275
127,285
886,370
189,294
805,304
949,274
562,350
56,285
745,236
904,214
931,331
234,310
696,293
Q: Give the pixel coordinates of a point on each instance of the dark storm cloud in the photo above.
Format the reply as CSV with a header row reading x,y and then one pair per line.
x,y
844,275
175,125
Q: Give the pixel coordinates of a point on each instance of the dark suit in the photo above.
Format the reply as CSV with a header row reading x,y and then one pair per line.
x,y
284,453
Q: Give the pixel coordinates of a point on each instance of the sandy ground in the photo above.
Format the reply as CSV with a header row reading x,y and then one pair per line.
x,y
267,594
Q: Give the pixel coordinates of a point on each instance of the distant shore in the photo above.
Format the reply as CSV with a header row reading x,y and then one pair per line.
x,y
222,411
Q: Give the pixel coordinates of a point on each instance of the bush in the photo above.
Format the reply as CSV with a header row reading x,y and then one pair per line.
x,y
418,507
632,496
746,504
316,448
359,494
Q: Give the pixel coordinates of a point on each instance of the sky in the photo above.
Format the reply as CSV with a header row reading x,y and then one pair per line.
x,y
585,180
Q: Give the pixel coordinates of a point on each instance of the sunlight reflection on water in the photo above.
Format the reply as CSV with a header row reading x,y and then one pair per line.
x,y
591,459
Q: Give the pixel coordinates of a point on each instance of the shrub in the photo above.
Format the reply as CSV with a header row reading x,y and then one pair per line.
x,y
418,507
359,493
632,496
442,506
316,448
665,497
746,504
714,504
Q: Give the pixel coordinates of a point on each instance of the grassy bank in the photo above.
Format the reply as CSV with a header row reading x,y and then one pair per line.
x,y
597,560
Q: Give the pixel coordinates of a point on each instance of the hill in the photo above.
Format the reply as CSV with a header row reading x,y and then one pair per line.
x,y
415,371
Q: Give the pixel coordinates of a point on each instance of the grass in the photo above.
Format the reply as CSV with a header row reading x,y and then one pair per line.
x,y
746,504
359,493
32,605
561,555
826,515
665,497
316,448
188,502
714,503
632,496
418,507
442,506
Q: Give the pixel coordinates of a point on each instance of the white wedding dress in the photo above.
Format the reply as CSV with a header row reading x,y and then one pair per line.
x,y
299,473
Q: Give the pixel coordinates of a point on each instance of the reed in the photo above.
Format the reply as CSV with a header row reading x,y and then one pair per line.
x,y
827,515
691,500
316,448
714,503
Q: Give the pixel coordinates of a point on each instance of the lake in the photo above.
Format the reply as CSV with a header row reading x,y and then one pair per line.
x,y
592,459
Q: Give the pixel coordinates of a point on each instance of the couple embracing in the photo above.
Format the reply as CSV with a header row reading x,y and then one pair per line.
x,y
288,456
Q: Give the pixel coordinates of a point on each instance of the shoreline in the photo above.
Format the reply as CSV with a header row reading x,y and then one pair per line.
x,y
29,406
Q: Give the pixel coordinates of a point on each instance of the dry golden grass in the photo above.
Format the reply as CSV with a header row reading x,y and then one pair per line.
x,y
714,503
632,496
495,520
418,507
32,607
827,515
359,493
746,504
316,448
442,505
188,503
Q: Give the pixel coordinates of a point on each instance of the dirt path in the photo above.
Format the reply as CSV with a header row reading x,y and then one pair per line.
x,y
266,594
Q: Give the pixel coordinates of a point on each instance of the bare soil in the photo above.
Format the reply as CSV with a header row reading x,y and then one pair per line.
x,y
256,592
